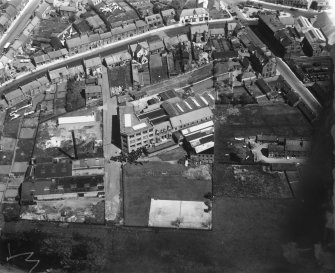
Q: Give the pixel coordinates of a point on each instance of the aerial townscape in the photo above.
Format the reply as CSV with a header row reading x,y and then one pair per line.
x,y
167,136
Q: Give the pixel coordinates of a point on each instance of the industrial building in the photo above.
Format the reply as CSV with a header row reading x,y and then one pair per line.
x,y
159,124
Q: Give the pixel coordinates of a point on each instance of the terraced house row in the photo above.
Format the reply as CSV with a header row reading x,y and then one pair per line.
x,y
127,29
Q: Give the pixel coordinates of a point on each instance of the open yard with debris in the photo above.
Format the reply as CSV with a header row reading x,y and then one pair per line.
x,y
161,181
75,97
250,120
55,140
173,155
247,236
83,210
49,26
253,181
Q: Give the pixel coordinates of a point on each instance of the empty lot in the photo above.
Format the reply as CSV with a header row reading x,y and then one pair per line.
x,y
160,181
277,119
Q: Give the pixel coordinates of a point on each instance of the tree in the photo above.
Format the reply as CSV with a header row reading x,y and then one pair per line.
x,y
72,18
156,8
314,5
177,4
246,99
224,99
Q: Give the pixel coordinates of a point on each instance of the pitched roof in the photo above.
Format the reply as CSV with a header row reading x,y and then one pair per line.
x,y
92,62
129,27
55,54
13,94
43,80
74,42
11,11
67,8
94,37
190,117
118,57
156,44
192,12
54,74
105,35
140,23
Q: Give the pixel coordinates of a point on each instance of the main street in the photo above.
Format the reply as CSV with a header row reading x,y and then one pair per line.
x,y
100,51
298,86
19,23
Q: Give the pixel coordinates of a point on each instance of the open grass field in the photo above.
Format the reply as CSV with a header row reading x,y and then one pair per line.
x,y
247,237
30,122
24,150
277,119
6,157
252,181
26,133
160,181
11,127
7,143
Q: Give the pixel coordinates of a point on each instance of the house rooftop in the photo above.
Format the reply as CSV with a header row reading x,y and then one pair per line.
x,y
51,170
57,73
13,94
156,44
272,22
193,12
93,89
190,117
117,58
93,62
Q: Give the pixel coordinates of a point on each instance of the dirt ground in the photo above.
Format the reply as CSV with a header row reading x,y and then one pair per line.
x,y
174,154
247,237
78,210
51,137
252,181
